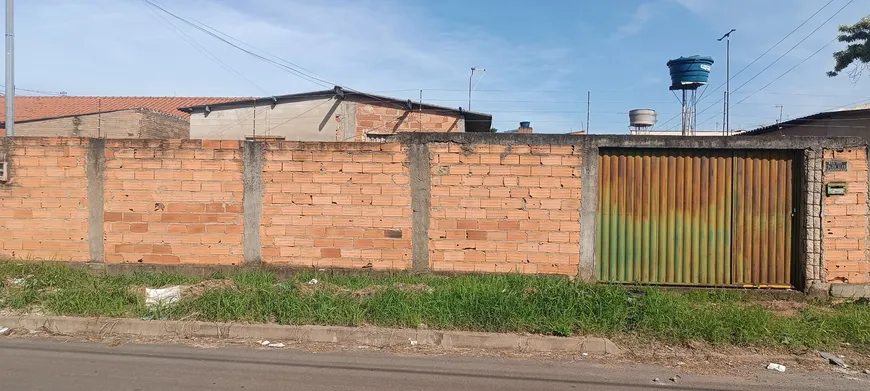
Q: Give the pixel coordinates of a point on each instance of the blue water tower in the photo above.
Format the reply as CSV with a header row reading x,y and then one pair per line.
x,y
689,73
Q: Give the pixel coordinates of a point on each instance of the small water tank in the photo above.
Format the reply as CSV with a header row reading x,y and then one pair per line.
x,y
689,72
642,118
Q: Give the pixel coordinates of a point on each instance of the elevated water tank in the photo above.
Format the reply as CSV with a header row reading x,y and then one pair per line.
x,y
642,118
688,73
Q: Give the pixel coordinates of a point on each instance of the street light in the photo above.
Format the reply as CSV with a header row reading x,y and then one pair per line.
x,y
726,114
470,87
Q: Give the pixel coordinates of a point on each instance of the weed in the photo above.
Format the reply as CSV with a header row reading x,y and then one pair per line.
x,y
496,303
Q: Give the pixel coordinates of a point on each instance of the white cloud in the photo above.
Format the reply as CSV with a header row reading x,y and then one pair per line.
x,y
641,17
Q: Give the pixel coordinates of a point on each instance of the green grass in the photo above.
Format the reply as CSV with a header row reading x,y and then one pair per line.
x,y
497,303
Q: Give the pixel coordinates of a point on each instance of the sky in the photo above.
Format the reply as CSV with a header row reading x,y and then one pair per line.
x,y
540,57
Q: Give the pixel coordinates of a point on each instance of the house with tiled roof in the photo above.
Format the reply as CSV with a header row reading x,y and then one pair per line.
x,y
104,116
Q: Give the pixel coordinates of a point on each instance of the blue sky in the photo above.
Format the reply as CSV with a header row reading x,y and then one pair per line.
x,y
540,57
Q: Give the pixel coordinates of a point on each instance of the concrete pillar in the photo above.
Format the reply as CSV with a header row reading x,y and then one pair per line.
x,y
252,202
95,172
421,186
588,213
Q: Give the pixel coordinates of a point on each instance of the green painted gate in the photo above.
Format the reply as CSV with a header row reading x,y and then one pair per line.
x,y
696,217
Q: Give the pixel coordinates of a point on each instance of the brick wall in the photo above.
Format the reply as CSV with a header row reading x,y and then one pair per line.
x,y
476,204
386,119
845,219
159,125
341,205
505,208
133,123
173,201
43,209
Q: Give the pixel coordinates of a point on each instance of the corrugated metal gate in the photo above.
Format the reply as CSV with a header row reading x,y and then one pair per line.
x,y
696,217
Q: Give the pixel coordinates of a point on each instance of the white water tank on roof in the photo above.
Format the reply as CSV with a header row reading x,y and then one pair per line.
x,y
642,118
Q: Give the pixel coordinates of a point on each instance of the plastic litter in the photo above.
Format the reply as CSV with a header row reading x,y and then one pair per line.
x,y
5,331
276,345
776,367
413,342
264,343
675,378
162,296
313,281
834,359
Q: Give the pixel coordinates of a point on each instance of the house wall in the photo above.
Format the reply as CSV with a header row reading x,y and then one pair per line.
x,y
838,124
320,120
389,119
424,202
134,123
307,120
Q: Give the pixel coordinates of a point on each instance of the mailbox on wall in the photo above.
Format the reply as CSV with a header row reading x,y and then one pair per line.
x,y
835,189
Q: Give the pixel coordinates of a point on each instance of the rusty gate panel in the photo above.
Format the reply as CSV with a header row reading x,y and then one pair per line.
x,y
689,217
763,214
664,217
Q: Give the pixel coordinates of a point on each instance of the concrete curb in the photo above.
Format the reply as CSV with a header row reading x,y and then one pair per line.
x,y
850,291
369,336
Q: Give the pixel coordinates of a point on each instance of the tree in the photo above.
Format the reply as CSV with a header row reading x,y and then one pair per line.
x,y
856,52
493,130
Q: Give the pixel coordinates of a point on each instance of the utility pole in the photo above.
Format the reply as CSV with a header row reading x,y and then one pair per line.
x,y
588,98
779,121
10,71
727,80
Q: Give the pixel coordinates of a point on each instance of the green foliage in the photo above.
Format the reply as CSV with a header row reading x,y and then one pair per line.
x,y
858,49
495,303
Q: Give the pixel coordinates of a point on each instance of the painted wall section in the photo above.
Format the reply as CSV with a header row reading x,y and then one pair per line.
x,y
845,219
173,201
343,205
505,208
43,209
308,120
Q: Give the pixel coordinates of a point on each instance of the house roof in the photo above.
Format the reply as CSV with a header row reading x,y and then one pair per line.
x,y
475,122
804,120
30,108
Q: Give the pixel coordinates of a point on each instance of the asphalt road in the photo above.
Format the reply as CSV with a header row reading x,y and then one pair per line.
x,y
28,364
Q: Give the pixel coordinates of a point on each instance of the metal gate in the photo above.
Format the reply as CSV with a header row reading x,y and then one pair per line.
x,y
696,217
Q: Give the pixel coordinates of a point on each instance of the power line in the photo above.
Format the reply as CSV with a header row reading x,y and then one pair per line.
x,y
784,54
190,40
60,93
773,47
783,74
209,31
287,66
768,51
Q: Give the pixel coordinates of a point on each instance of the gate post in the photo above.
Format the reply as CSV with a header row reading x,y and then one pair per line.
x,y
588,212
